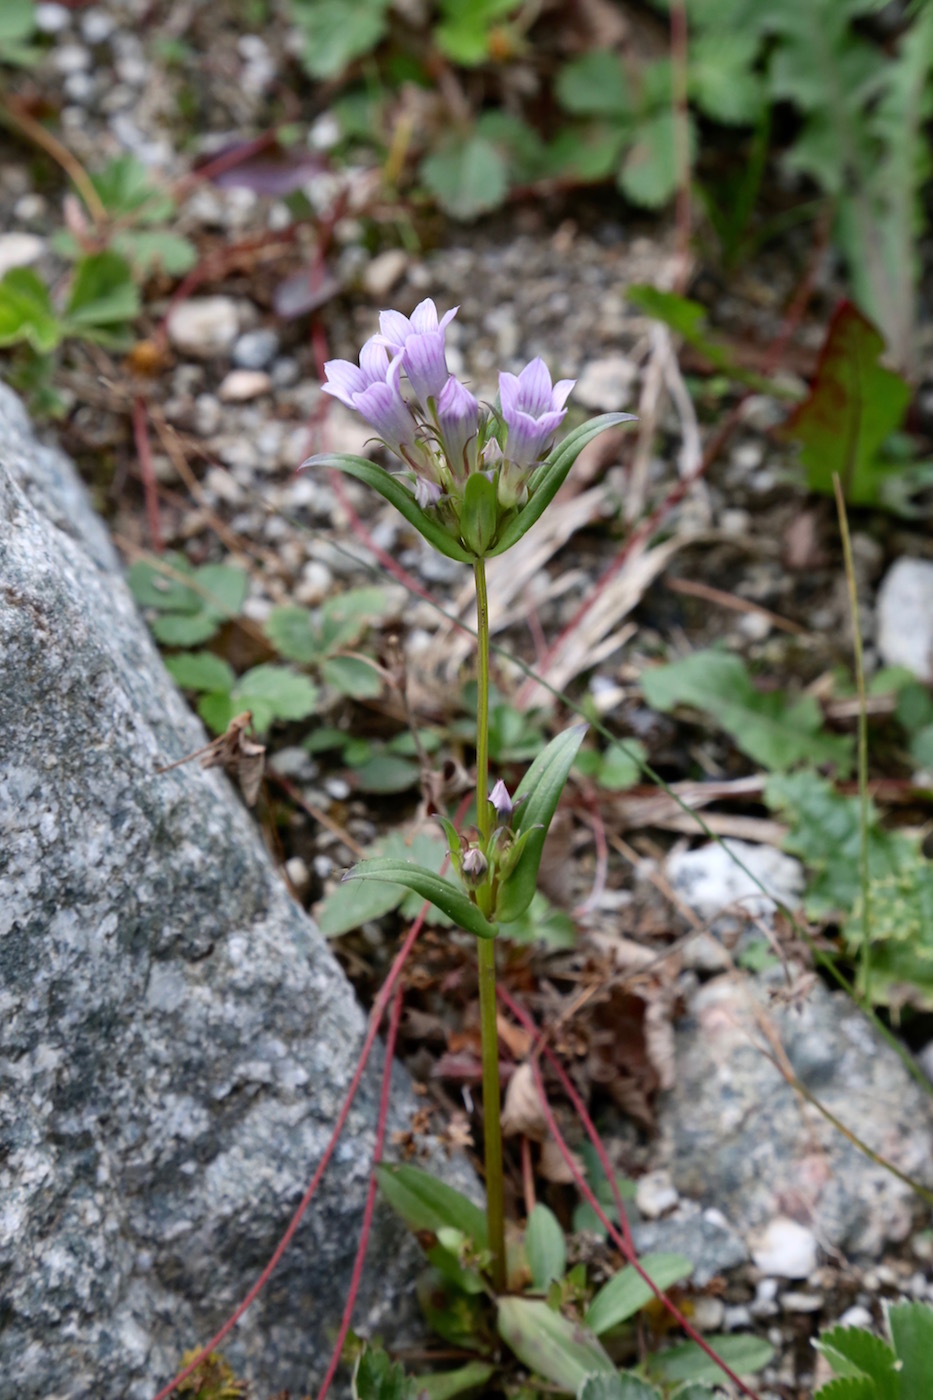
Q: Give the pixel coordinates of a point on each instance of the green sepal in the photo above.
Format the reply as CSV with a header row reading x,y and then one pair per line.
x,y
541,788
551,475
392,490
440,892
479,514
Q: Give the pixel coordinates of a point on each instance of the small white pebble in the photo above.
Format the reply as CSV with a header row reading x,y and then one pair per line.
x,y
785,1249
299,876
241,385
337,788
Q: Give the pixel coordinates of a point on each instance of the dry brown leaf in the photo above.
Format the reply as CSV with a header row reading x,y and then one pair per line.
x,y
236,753
522,1111
515,1038
553,1166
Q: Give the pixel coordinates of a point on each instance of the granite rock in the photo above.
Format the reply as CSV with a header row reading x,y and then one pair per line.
x,y
739,1138
175,1035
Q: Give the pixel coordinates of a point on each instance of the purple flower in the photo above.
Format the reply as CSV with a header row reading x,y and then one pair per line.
x,y
425,363
458,421
345,379
499,797
396,328
532,410
378,401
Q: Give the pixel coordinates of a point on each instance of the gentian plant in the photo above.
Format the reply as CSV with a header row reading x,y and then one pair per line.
x,y
474,478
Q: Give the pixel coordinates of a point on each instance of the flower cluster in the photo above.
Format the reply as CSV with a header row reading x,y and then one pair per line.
x,y
438,429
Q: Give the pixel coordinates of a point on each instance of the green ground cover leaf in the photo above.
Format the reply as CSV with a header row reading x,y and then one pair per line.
x,y
336,32
550,1345
742,1352
627,1292
26,312
425,1203
545,1246
467,175
774,730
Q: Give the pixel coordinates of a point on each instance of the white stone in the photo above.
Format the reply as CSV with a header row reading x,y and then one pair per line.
x,y
384,271
785,1249
204,326
97,26
708,1313
654,1195
241,385
315,583
19,250
52,19
710,881
905,617
255,349
606,384
30,208
71,58
857,1316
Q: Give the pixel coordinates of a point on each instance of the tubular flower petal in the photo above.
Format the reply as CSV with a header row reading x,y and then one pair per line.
x,y
383,406
396,328
345,379
533,411
500,799
425,363
458,421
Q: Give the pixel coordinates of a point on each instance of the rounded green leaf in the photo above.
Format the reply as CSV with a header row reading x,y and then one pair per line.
x,y
466,175
277,692
201,671
545,1246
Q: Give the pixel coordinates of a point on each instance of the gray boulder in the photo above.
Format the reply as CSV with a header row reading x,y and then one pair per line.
x,y
741,1139
175,1036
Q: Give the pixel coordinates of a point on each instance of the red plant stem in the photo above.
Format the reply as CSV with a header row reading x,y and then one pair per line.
x,y
623,1239
375,1019
366,1228
569,1089
147,472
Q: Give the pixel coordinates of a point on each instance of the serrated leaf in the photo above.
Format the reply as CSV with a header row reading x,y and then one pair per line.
x,y
425,1203
148,250
627,1292
741,1352
847,1388
392,490
223,588
336,33
550,1345
594,85
649,172
217,710
853,1351
465,31
722,79
854,404
467,176
274,693
545,1246
826,834
103,292
911,1328
292,632
26,312
125,188
201,671
619,766
353,676
772,729
551,475
540,788
449,898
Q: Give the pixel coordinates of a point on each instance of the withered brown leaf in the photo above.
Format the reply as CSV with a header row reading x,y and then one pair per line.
x,y
235,752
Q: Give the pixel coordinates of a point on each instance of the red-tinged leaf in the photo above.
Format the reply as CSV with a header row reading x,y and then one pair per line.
x,y
304,291
853,406
273,169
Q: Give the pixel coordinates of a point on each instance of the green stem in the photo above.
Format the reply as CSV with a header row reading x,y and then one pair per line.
x,y
486,952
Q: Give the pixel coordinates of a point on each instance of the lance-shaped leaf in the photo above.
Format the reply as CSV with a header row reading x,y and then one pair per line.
x,y
447,897
424,1203
479,514
562,1352
392,489
540,788
551,475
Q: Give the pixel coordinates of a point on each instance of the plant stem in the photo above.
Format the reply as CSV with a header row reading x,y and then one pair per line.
x,y
486,954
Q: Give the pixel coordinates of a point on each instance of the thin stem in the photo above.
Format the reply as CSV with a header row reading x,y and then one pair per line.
x,y
486,955
864,813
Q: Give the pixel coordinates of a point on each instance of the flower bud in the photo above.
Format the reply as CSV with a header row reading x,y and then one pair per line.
x,y
474,868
